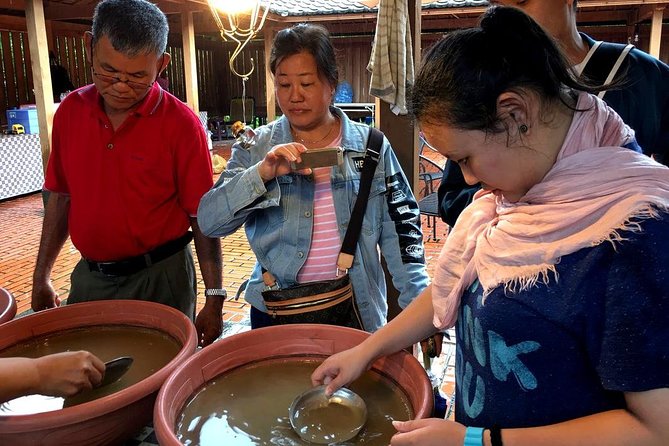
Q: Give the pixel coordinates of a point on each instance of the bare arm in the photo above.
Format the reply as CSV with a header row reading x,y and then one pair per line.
x,y
410,326
54,235
644,423
60,374
209,321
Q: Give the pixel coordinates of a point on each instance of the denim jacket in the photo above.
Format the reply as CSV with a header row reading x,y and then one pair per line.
x,y
278,219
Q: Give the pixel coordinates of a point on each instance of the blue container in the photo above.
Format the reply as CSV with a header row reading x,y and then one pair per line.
x,y
26,117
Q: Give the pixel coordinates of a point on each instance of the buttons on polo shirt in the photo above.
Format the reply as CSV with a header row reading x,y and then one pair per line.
x,y
110,146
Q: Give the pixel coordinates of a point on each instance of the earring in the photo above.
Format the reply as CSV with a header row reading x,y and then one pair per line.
x,y
522,128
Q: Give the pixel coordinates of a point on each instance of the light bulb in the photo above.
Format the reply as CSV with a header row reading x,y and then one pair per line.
x,y
234,6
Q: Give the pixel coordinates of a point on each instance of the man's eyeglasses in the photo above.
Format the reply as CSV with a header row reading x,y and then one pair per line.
x,y
139,86
113,79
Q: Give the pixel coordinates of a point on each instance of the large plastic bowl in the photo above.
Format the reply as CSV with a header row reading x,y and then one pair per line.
x,y
111,419
298,340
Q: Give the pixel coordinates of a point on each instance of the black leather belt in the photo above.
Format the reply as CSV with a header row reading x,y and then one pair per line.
x,y
132,265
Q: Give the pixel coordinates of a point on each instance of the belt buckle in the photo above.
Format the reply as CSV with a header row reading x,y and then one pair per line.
x,y
341,272
102,267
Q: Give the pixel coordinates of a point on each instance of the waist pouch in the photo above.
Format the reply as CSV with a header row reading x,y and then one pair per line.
x,y
324,302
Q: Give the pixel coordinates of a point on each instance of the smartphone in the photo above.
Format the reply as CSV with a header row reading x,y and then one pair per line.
x,y
325,157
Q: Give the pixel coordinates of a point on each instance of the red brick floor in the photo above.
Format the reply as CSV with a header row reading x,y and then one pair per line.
x,y
21,226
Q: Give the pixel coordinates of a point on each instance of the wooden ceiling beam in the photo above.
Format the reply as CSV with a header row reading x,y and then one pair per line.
x,y
646,12
13,4
613,3
322,18
592,16
58,11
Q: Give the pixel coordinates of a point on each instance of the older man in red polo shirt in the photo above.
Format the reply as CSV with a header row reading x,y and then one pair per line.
x,y
128,166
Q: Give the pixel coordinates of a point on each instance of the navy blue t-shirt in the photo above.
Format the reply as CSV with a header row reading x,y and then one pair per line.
x,y
570,348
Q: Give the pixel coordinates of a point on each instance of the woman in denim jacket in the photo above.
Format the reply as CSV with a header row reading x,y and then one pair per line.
x,y
295,219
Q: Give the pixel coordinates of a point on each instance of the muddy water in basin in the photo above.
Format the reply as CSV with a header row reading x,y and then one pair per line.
x,y
249,406
151,350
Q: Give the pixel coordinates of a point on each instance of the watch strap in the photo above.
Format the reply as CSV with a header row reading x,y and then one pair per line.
x,y
473,436
221,292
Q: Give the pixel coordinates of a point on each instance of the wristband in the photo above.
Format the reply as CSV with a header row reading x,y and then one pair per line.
x,y
221,292
496,436
473,436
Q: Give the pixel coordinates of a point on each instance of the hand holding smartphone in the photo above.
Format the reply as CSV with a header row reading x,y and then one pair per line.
x,y
324,157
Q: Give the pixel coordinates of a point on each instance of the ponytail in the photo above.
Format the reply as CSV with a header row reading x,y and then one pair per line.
x,y
463,74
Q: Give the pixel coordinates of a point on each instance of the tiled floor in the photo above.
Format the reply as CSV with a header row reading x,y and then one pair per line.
x,y
20,229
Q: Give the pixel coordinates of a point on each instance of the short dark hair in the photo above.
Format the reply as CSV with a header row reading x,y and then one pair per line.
x,y
462,75
314,39
132,26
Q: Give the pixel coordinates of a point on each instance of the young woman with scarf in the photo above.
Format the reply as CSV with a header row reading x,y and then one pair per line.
x,y
555,277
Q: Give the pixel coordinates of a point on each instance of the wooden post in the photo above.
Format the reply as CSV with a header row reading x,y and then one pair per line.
x,y
403,136
268,38
39,58
656,32
399,129
190,64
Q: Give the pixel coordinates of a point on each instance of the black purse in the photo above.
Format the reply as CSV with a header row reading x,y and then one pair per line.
x,y
328,301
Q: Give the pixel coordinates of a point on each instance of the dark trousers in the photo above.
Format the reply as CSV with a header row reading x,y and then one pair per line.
x,y
171,282
260,319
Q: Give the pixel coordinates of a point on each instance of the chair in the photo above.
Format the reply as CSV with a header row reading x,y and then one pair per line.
x,y
430,173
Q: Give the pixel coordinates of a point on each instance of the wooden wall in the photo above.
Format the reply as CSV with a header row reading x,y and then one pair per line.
x,y
216,84
15,70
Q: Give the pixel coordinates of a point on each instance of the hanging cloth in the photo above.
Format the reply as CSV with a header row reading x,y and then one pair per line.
x,y
391,62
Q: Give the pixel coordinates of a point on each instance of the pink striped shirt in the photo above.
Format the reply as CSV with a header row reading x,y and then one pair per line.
x,y
321,263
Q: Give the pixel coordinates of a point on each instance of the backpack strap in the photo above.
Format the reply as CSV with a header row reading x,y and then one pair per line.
x,y
605,62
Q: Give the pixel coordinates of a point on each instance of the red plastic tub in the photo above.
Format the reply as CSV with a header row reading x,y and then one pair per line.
x,y
297,340
111,419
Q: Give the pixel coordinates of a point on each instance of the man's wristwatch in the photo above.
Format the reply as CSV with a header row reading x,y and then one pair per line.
x,y
221,292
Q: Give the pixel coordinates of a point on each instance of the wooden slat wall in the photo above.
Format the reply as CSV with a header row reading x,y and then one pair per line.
x,y
16,71
216,84
70,53
352,59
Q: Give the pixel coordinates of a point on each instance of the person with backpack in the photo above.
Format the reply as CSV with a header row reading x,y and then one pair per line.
x,y
642,100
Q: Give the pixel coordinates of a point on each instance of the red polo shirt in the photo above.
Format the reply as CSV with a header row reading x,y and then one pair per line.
x,y
134,188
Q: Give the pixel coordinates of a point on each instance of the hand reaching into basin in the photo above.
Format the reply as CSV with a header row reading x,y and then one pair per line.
x,y
60,374
342,368
413,324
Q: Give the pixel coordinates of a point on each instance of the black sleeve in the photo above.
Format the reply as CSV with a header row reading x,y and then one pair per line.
x,y
454,193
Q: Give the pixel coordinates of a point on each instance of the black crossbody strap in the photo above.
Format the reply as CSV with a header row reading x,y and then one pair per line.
x,y
372,154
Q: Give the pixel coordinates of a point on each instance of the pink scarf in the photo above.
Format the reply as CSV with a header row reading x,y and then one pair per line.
x,y
594,192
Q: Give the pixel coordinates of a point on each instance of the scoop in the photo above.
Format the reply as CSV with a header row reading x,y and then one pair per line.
x,y
115,369
322,419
